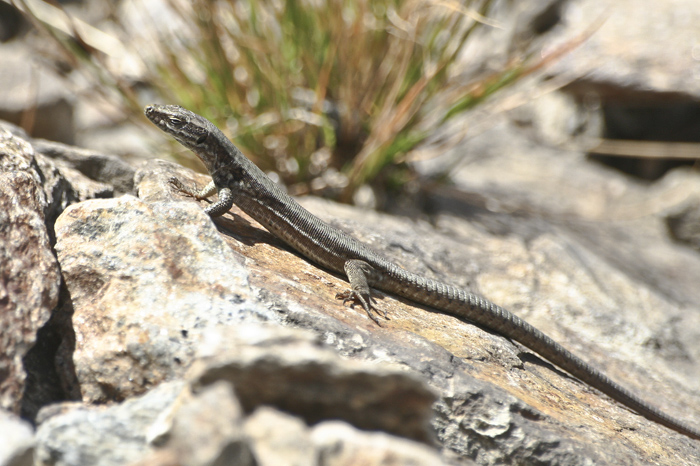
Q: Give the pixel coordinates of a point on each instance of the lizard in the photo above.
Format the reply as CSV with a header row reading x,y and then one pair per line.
x,y
237,180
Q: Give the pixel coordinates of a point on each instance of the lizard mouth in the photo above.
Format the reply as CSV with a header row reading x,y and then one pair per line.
x,y
152,114
188,128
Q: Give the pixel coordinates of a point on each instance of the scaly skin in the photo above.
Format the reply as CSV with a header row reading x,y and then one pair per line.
x,y
238,181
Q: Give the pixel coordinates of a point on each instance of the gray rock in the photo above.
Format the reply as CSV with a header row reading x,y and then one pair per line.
x,y
17,446
498,402
22,84
60,172
35,190
29,274
208,430
102,168
623,328
294,373
145,280
650,50
172,424
104,435
684,224
279,439
338,444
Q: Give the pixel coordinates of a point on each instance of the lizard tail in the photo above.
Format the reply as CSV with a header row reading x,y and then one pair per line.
x,y
474,308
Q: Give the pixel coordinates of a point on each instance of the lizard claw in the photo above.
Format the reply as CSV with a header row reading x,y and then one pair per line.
x,y
181,187
366,302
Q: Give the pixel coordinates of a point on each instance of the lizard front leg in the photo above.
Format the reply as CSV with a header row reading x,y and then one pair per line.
x,y
216,209
357,272
204,193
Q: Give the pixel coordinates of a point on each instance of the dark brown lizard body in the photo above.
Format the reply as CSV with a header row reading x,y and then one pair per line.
x,y
239,181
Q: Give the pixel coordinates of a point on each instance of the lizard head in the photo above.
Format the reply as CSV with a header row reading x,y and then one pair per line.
x,y
188,128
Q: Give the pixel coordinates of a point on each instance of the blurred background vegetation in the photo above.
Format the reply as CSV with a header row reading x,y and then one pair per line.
x,y
327,96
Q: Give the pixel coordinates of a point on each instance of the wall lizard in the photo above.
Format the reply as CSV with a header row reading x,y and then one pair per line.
x,y
238,180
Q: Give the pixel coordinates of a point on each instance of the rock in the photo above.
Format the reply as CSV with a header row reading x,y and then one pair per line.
x,y
202,422
145,280
339,444
279,439
645,89
17,446
208,430
60,173
290,371
479,371
498,402
634,98
620,57
104,435
35,190
29,274
684,224
508,174
102,168
23,83
579,251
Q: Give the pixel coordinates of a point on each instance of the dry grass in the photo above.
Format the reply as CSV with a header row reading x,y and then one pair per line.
x,y
312,88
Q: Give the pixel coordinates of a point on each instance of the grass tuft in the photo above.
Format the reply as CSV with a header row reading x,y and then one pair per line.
x,y
308,87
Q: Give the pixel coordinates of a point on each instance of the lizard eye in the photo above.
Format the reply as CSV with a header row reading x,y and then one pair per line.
x,y
177,122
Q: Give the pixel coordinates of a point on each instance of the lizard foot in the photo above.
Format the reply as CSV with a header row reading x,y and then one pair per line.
x,y
183,188
367,303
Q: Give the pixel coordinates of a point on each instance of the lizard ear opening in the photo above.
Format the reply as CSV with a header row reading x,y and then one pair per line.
x,y
202,138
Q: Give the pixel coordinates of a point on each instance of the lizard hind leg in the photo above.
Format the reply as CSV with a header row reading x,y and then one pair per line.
x,y
357,272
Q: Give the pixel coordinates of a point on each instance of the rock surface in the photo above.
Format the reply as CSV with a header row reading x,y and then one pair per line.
x,y
620,56
101,435
202,422
684,224
299,376
37,339
25,86
29,274
17,446
498,403
143,289
158,295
